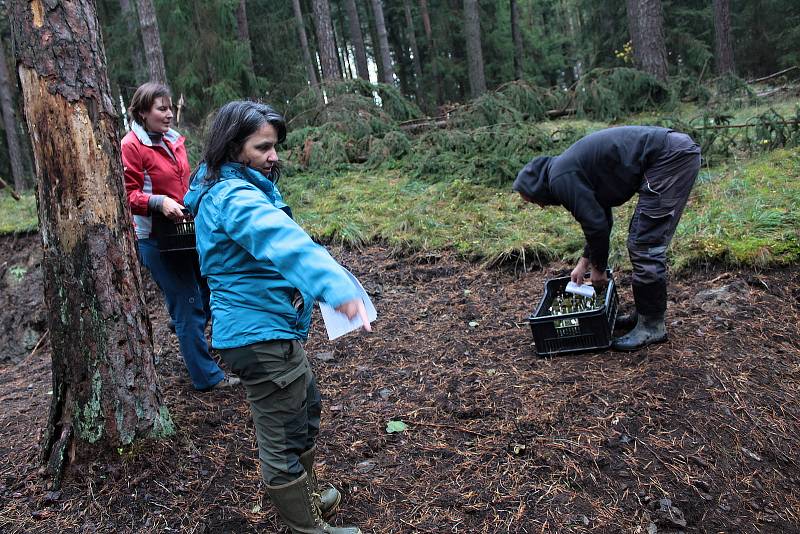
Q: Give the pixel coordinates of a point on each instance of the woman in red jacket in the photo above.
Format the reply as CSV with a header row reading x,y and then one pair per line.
x,y
156,179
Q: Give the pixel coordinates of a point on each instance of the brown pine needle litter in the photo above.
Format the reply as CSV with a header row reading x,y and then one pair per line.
x,y
699,434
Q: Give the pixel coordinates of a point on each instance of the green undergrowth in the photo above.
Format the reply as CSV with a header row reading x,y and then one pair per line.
x,y
743,214
18,215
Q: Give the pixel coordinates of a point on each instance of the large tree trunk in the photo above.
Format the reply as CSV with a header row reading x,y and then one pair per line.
x,y
383,42
646,27
311,69
10,123
412,42
130,15
243,30
105,393
153,52
516,36
472,34
722,38
426,24
328,57
357,38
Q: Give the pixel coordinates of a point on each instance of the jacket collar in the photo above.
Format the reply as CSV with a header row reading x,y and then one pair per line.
x,y
141,134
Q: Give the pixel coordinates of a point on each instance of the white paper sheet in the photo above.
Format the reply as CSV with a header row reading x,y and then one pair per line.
x,y
583,289
337,324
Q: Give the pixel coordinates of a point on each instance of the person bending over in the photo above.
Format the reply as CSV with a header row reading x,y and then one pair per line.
x,y
603,170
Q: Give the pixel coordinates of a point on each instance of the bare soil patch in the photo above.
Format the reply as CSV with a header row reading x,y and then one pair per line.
x,y
699,434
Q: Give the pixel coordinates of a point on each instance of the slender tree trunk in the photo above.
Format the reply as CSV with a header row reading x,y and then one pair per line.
x,y
646,27
10,123
129,13
412,42
153,52
243,30
383,42
426,24
472,33
105,393
516,36
328,57
722,38
311,69
373,39
340,44
357,38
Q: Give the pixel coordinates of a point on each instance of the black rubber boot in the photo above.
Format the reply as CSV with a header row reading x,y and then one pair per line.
x,y
299,508
649,329
626,321
329,498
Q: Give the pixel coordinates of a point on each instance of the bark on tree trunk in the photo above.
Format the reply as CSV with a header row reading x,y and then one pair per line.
x,y
243,30
328,57
412,41
105,393
357,38
153,52
472,34
383,42
10,123
426,24
311,69
516,36
137,59
722,38
646,27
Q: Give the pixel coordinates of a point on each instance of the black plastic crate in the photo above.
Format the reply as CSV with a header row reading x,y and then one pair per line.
x,y
173,236
573,332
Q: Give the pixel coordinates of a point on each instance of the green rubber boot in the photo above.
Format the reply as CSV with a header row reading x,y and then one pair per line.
x,y
299,509
329,498
649,329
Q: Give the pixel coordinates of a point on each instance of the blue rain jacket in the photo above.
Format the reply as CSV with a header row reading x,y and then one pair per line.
x,y
255,258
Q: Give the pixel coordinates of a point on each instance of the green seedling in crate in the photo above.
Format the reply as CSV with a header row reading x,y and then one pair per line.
x,y
568,303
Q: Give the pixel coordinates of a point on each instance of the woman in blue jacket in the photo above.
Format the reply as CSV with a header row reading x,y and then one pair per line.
x,y
265,273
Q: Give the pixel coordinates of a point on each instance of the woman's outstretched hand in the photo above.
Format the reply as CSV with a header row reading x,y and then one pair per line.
x,y
353,308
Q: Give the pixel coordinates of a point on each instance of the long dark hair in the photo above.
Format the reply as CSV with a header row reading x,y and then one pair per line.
x,y
234,123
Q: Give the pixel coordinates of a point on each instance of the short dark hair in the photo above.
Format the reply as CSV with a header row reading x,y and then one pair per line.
x,y
233,124
143,99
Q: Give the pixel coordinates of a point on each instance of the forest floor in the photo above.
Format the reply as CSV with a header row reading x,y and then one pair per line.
x,y
699,434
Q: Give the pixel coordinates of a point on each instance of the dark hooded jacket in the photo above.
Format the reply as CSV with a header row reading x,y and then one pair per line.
x,y
602,170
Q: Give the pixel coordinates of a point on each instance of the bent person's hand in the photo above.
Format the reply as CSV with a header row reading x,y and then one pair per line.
x,y
577,273
353,308
172,209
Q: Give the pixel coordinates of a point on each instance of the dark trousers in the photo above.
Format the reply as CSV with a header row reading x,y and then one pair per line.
x,y
662,197
284,402
186,295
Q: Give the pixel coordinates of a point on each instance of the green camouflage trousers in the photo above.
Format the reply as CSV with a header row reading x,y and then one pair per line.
x,y
284,402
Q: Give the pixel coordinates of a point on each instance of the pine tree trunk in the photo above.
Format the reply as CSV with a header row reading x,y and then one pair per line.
x,y
722,38
243,30
426,24
383,42
646,27
412,42
328,57
105,393
129,13
516,36
10,123
472,34
357,38
153,53
311,69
